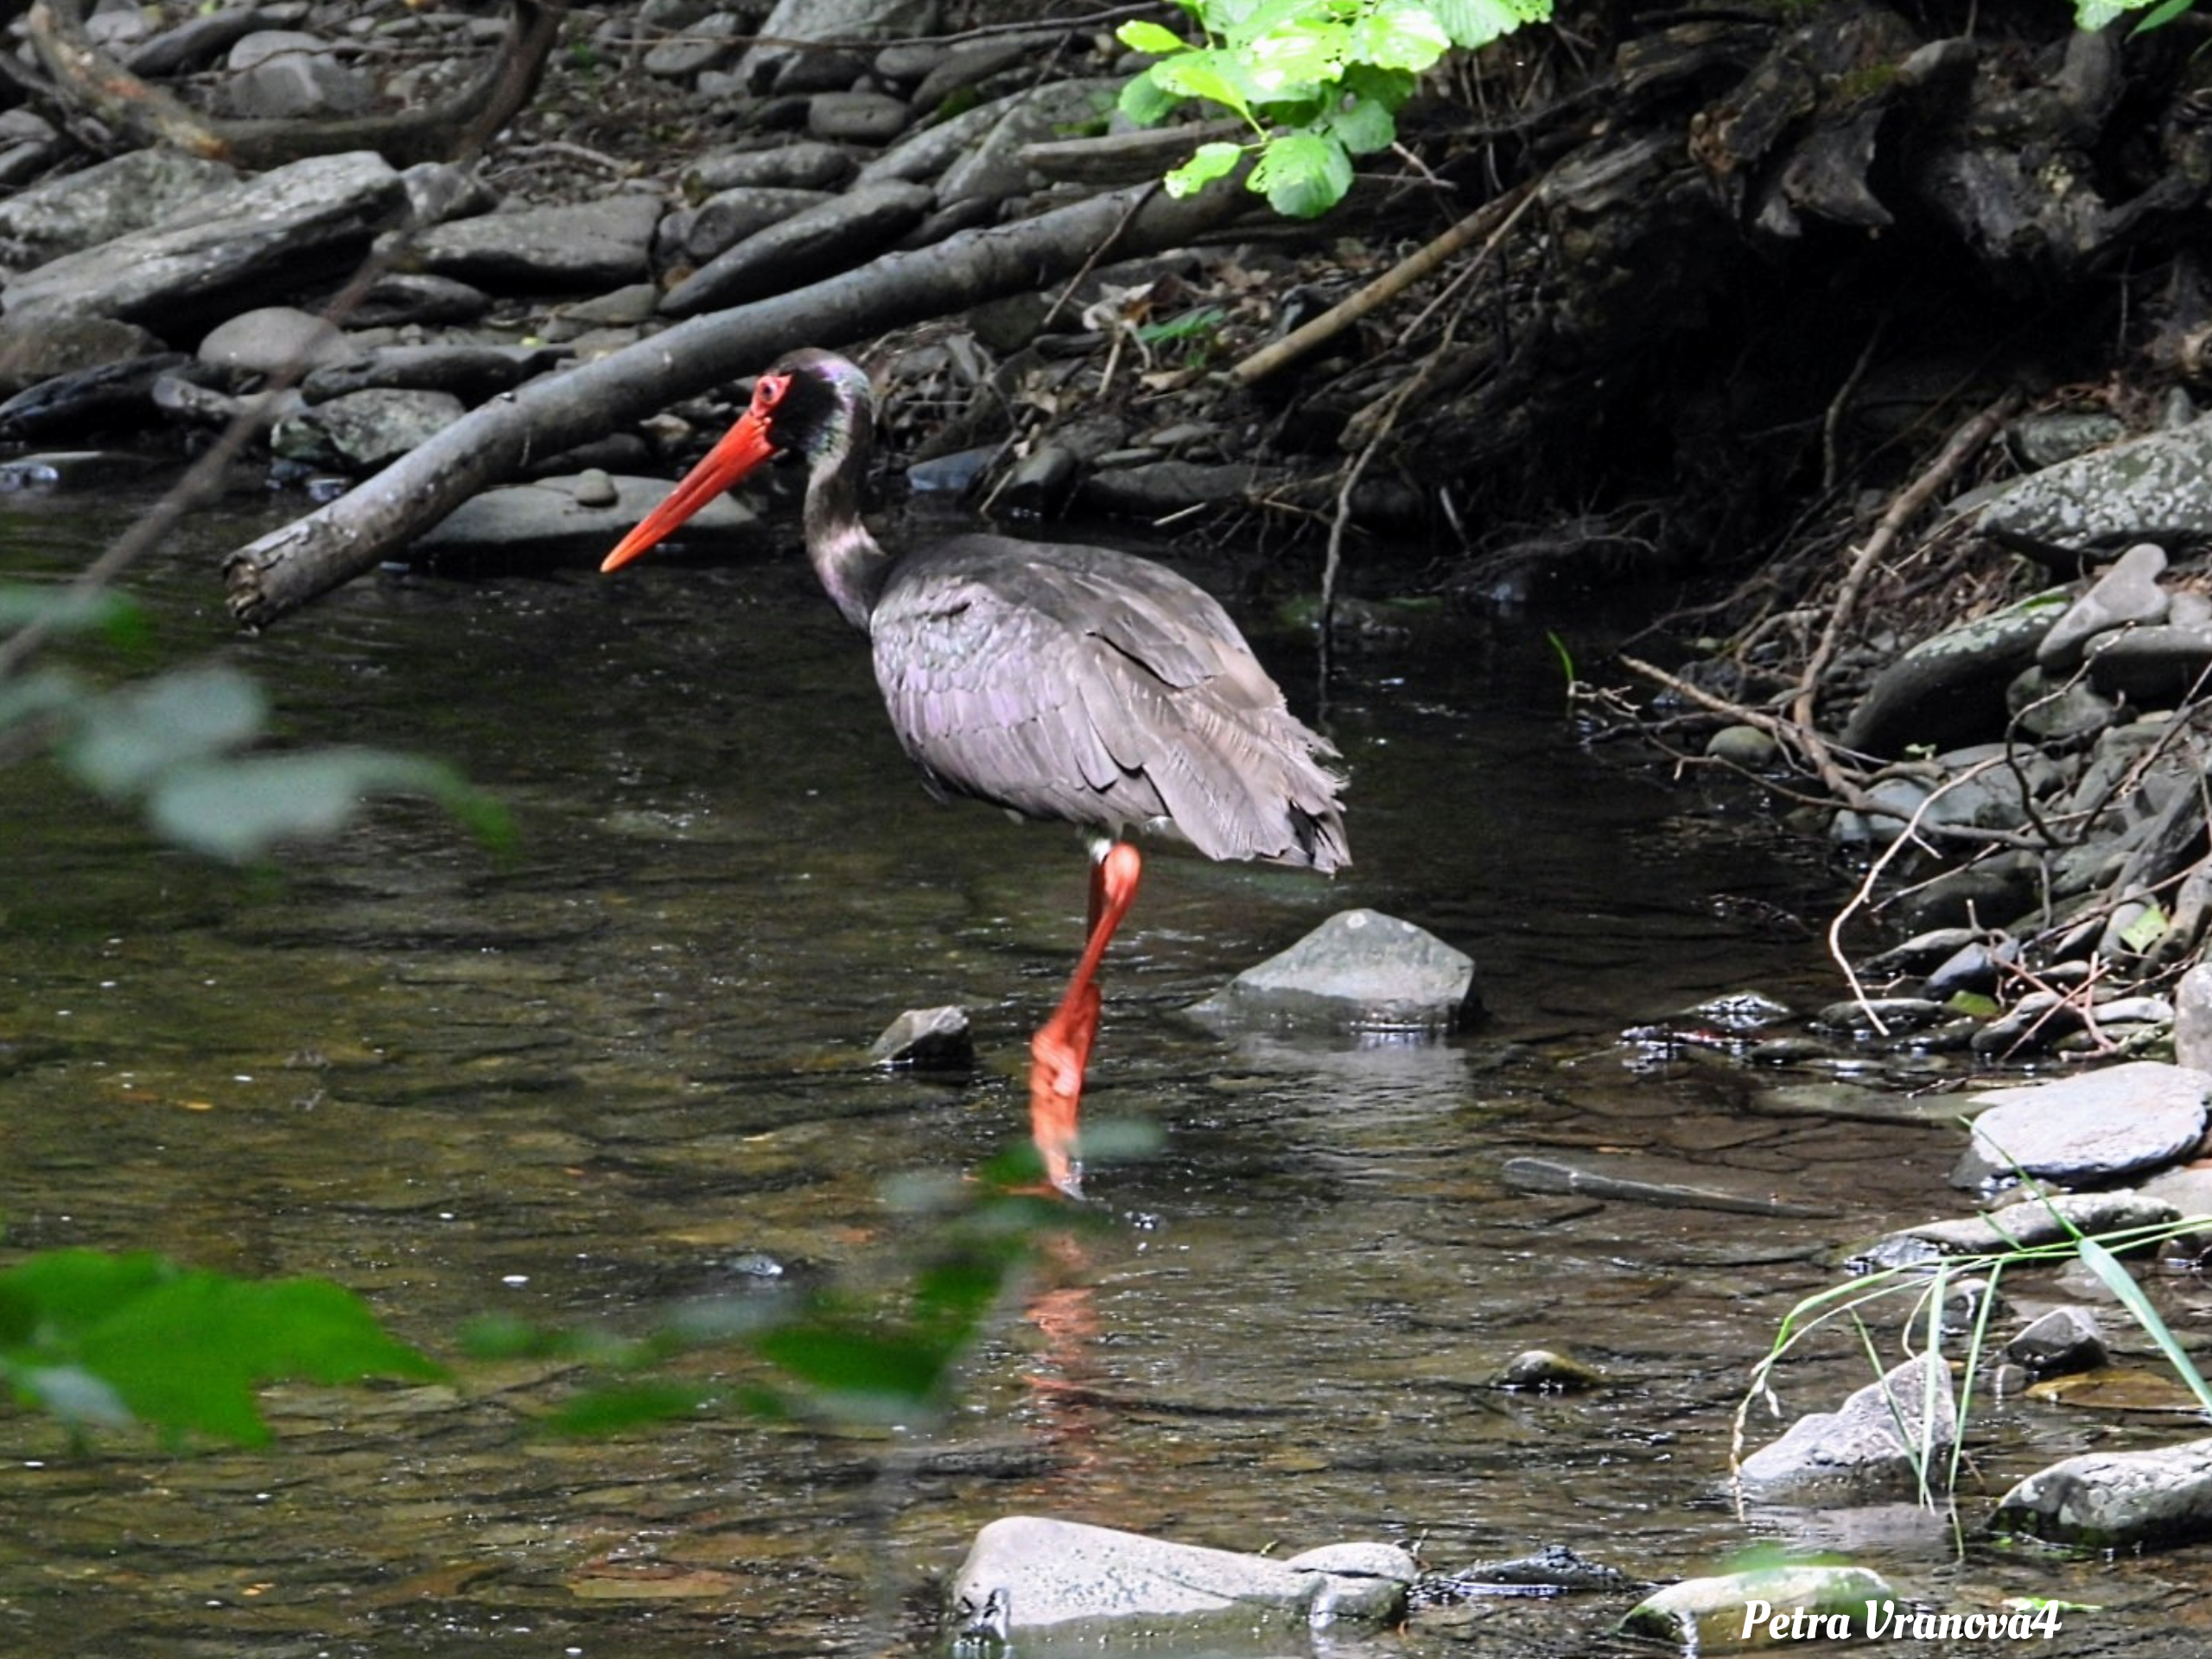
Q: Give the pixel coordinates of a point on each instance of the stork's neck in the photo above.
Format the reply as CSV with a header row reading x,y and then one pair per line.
x,y
850,563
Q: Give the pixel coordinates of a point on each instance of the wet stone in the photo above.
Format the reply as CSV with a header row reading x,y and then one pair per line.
x,y
2064,1339
1867,1449
1360,970
1542,1371
807,165
69,470
1721,1614
2099,1126
2115,1500
1030,1573
926,1040
1742,746
364,430
2038,1221
571,517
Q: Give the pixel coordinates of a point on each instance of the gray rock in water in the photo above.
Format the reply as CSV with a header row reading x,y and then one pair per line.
x,y
230,247
1951,688
2030,1222
2156,487
1736,1610
1035,1575
571,517
820,242
564,250
104,202
2064,1339
2128,593
274,338
88,400
472,373
1867,1449
1360,970
62,472
362,431
2097,1127
926,1040
2115,1500
1752,746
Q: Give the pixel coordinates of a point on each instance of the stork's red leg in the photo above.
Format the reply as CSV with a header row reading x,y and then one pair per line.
x,y
1061,1048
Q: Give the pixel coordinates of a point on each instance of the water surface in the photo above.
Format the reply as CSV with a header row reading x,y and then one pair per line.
x,y
623,1067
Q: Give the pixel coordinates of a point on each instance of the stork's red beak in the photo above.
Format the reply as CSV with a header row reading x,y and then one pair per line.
x,y
743,448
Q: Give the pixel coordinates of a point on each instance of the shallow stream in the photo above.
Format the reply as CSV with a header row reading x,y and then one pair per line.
x,y
625,1067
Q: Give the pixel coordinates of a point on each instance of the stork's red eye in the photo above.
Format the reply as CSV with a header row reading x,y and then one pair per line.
x,y
768,391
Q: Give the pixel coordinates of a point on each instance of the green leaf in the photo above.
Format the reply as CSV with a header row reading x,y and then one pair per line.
x,y
1145,102
236,810
2117,1279
1363,126
1141,36
1478,22
2145,930
1216,76
1210,162
1295,58
100,1339
874,1376
128,738
1303,174
1398,34
1388,87
2159,17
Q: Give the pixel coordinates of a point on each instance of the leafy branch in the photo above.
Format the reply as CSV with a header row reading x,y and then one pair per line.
x,y
1317,82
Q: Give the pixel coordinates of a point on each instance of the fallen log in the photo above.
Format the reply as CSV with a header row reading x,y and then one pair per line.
x,y
300,562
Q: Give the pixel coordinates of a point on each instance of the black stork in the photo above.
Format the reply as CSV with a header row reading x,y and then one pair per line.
x,y
1060,682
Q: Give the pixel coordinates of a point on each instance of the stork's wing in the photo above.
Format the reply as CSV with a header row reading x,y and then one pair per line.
x,y
1084,684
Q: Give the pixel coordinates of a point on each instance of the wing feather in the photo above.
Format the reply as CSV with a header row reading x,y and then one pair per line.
x,y
1085,684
